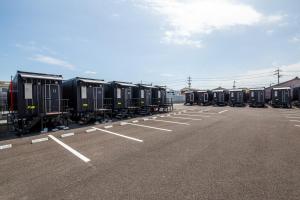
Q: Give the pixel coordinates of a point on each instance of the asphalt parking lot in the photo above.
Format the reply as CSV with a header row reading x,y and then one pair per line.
x,y
193,153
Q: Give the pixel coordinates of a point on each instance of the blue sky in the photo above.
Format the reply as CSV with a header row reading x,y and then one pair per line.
x,y
159,41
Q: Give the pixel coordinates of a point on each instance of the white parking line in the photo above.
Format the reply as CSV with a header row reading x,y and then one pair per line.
x,y
76,153
186,118
222,111
194,115
293,120
66,135
293,117
152,127
39,140
297,125
90,130
117,134
171,122
5,146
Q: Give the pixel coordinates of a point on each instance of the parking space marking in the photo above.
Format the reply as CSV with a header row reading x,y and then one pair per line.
x,y
293,120
186,118
194,115
67,135
297,125
73,151
39,140
181,123
222,111
293,117
6,146
90,130
152,127
120,135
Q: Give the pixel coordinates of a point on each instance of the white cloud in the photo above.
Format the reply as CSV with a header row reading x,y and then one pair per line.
x,y
295,39
90,72
269,32
273,18
52,61
33,47
167,75
185,20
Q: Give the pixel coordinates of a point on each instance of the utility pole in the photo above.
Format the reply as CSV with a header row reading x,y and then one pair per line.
x,y
277,73
189,82
233,84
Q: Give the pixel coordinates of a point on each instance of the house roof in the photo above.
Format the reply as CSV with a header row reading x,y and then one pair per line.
x,y
278,85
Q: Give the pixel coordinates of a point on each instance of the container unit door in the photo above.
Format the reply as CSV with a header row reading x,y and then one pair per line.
x,y
90,99
285,96
83,103
98,98
142,97
52,101
127,94
163,97
147,97
30,98
205,97
239,97
221,97
259,96
192,97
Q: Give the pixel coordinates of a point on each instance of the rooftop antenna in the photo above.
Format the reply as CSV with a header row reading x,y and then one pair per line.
x,y
233,84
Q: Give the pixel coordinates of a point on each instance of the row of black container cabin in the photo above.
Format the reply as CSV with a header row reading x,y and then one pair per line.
x,y
280,97
39,100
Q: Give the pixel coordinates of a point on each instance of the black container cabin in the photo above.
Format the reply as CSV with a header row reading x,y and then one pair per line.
x,y
86,99
143,95
220,97
205,97
256,97
190,97
237,97
281,97
123,103
296,96
159,99
36,102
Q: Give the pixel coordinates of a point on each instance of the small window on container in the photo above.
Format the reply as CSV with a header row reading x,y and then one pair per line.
x,y
83,92
252,94
142,94
158,94
28,90
119,93
275,93
215,95
232,94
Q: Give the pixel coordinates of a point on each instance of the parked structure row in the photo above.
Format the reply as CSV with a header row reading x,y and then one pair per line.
x,y
280,97
37,101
